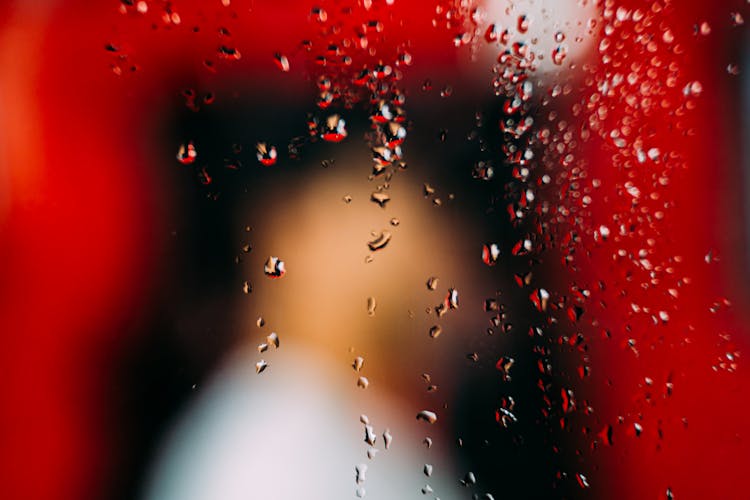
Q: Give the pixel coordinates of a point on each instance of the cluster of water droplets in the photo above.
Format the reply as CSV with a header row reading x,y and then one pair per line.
x,y
563,207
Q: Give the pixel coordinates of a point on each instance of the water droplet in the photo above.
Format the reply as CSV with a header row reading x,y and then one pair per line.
x,y
426,489
540,299
360,471
395,222
452,298
334,129
203,176
260,322
266,154
382,113
435,331
380,197
229,53
186,154
324,100
582,481
638,428
370,436
523,24
469,479
504,364
387,438
483,170
371,306
427,470
427,442
260,366
404,59
360,492
262,347
441,309
559,54
347,199
274,267
492,34
318,14
281,62
505,416
247,287
559,36
694,88
273,339
432,282
490,253
427,416
394,135
379,241
357,363
363,382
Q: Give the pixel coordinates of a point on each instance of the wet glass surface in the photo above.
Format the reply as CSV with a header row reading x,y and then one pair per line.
x,y
375,249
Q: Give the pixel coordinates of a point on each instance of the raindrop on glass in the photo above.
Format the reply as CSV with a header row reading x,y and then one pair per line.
x,y
334,129
274,267
281,62
357,363
427,416
273,339
435,331
490,253
380,197
370,436
360,471
186,154
452,298
469,479
379,241
387,438
582,481
266,154
523,24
